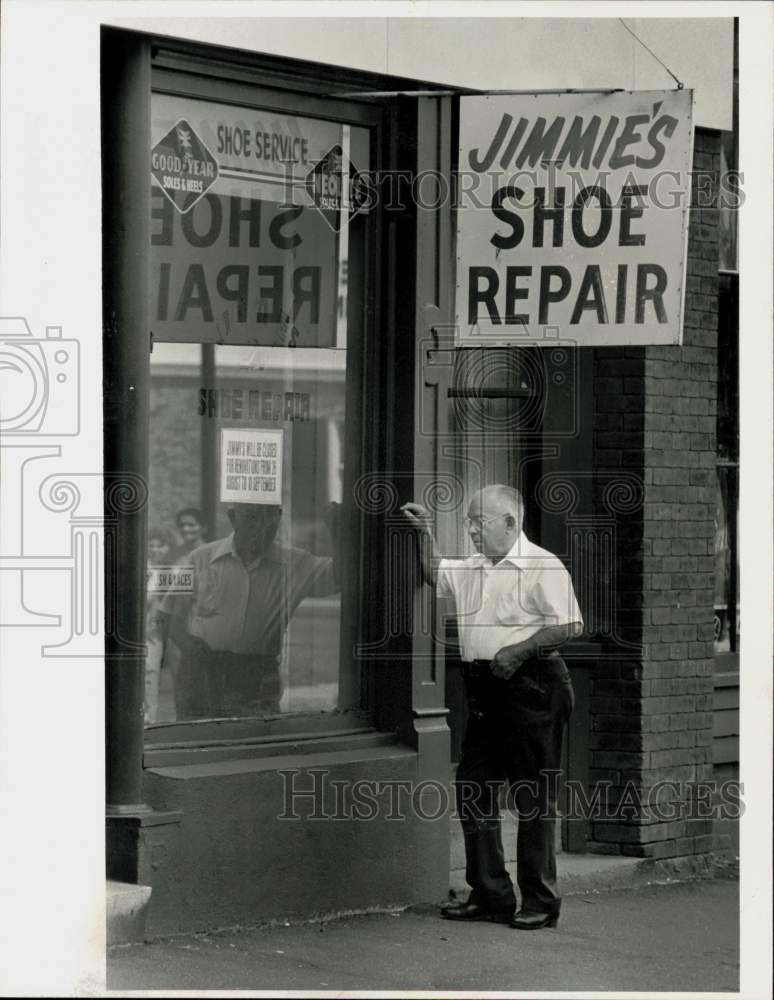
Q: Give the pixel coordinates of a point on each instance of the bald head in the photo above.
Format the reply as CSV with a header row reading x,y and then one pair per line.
x,y
503,500
495,518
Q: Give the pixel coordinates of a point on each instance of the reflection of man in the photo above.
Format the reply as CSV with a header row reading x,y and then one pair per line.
x,y
230,630
515,604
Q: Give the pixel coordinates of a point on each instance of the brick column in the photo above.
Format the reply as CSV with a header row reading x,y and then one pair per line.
x,y
651,696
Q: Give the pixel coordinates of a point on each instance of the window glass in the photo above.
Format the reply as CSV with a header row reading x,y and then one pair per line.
x,y
726,548
727,611
255,305
728,203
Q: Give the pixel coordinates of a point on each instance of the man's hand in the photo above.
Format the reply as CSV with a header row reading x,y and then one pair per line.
x,y
419,517
421,520
506,662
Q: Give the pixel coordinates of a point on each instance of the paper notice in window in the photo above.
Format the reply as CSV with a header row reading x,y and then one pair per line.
x,y
251,466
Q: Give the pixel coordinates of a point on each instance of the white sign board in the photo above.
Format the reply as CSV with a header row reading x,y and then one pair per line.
x,y
170,579
572,217
251,466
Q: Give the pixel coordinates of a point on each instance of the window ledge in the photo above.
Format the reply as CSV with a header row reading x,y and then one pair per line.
x,y
311,755
263,747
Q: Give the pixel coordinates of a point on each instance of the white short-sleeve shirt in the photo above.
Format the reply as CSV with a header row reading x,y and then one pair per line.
x,y
504,603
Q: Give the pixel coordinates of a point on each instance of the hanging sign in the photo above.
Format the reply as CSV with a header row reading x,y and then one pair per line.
x,y
251,466
572,218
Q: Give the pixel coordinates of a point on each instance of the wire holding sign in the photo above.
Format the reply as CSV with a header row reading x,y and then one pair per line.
x,y
251,466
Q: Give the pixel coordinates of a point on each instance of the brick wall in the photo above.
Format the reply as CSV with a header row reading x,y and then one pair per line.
x,y
651,694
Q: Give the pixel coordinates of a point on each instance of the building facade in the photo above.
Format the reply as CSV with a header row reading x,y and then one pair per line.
x,y
272,321
278,330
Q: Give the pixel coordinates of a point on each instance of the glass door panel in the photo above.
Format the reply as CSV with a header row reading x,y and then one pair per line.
x,y
254,323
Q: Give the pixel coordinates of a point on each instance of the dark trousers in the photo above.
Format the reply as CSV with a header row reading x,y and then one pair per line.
x,y
514,736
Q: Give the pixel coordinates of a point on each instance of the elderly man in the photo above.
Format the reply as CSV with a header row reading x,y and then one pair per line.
x,y
229,630
515,604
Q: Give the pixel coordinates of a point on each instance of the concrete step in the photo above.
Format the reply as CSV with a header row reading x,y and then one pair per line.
x,y
127,908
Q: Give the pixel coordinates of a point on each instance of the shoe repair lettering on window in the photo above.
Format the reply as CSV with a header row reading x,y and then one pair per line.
x,y
254,404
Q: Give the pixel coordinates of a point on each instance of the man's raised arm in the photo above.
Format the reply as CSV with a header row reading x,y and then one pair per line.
x,y
420,519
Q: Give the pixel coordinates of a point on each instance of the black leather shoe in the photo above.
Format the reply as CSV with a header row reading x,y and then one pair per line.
x,y
529,920
473,911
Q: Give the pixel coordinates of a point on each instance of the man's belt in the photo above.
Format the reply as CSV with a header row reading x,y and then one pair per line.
x,y
476,668
552,665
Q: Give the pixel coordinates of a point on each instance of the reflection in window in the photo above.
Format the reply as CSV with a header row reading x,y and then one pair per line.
x,y
726,547
727,614
249,620
728,203
255,292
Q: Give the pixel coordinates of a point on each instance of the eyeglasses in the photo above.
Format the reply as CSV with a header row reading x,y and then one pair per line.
x,y
479,522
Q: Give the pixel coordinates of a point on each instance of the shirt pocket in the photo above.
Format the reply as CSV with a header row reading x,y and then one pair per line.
x,y
210,598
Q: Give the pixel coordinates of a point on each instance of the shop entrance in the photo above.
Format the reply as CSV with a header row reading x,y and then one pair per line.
x,y
522,417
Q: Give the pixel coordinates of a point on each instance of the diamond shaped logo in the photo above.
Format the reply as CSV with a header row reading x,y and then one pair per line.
x,y
183,166
333,184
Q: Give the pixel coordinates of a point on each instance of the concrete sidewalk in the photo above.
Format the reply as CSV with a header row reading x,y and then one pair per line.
x,y
680,936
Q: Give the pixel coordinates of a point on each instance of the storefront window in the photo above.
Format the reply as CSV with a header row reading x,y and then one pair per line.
x,y
255,305
728,204
726,587
727,613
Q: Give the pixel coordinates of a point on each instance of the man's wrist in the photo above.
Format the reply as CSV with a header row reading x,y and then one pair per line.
x,y
520,654
517,649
